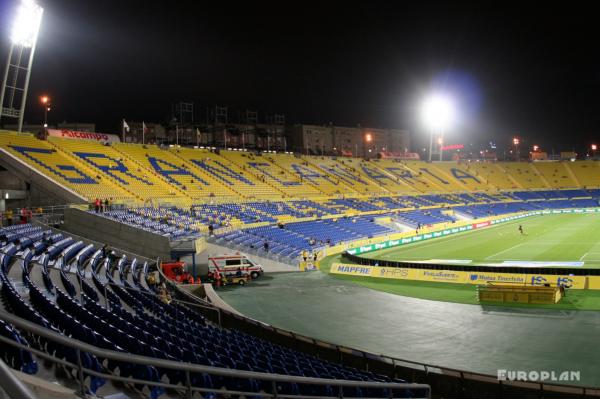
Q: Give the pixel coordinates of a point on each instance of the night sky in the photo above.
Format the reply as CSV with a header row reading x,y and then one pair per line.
x,y
513,71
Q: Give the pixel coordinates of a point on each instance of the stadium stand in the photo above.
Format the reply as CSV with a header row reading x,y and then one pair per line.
x,y
523,174
555,174
414,179
65,171
587,173
244,183
114,309
176,171
263,169
137,180
306,172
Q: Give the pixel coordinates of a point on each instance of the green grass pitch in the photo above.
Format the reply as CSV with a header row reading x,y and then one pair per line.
x,y
567,238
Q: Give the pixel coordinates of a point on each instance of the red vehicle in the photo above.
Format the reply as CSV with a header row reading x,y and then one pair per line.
x,y
176,271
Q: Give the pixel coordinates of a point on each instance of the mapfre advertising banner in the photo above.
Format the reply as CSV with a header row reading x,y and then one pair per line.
x,y
77,135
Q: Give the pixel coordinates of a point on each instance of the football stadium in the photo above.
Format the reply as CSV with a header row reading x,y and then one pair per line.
x,y
216,261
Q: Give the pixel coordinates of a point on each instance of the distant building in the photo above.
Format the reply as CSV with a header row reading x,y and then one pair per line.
x,y
356,141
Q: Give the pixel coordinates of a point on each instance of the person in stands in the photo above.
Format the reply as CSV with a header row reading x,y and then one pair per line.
x,y
97,204
23,215
266,246
9,217
164,295
151,281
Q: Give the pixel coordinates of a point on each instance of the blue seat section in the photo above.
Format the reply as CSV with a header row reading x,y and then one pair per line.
x,y
16,358
294,238
423,217
168,222
137,322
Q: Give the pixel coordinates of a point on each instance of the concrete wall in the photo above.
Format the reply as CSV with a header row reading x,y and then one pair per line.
x,y
116,234
97,244
269,265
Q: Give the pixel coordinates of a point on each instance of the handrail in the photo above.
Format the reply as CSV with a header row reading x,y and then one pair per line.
x,y
13,386
194,368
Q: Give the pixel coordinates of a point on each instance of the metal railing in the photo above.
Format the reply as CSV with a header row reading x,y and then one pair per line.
x,y
188,368
13,386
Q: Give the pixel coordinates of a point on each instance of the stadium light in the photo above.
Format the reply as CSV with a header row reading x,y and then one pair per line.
x,y
437,113
26,24
594,147
516,142
536,148
23,35
46,103
368,137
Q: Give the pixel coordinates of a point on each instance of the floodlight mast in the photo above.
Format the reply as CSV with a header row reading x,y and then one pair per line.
x,y
437,113
24,35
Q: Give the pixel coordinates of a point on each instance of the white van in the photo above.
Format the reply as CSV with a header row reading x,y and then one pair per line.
x,y
231,263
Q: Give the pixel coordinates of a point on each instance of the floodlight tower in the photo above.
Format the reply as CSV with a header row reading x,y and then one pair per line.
x,y
437,113
24,35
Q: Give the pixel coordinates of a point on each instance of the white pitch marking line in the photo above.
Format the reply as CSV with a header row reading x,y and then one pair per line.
x,y
506,250
584,255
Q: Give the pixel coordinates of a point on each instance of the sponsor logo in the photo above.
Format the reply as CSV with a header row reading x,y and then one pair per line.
x,y
539,375
354,269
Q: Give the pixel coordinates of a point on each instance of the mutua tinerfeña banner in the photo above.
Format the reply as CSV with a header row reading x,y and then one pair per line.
x,y
77,135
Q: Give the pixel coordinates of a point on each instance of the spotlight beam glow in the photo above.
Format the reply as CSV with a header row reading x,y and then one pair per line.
x,y
437,112
26,24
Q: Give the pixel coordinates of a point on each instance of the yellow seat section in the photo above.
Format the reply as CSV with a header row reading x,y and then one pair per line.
x,y
494,175
467,178
414,180
555,174
174,170
306,172
348,171
62,169
118,168
242,183
587,173
262,167
523,174
435,175
388,182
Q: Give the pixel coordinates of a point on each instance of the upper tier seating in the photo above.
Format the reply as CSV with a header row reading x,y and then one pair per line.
x,y
175,170
245,183
130,175
556,174
523,174
587,173
66,171
287,182
185,176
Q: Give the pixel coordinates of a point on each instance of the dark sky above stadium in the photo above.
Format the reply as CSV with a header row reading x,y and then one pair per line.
x,y
512,70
